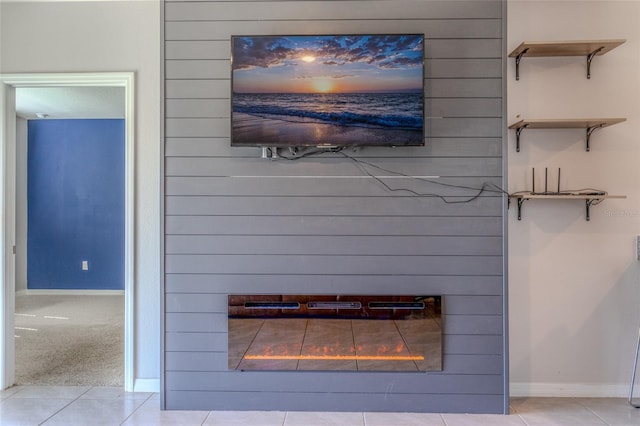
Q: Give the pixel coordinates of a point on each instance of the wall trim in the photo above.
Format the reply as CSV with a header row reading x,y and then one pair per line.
x,y
7,233
70,292
8,82
569,390
147,385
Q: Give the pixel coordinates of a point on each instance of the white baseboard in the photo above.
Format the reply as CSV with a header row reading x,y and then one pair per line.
x,y
71,292
575,390
146,385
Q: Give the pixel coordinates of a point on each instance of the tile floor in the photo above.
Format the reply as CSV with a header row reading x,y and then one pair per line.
x,y
81,405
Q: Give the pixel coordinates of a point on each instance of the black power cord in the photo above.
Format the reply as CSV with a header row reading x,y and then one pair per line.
x,y
362,165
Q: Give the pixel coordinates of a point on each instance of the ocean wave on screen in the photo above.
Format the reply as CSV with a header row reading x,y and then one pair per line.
x,y
343,110
338,118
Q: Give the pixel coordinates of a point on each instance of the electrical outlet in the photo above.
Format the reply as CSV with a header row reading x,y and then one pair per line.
x,y
85,265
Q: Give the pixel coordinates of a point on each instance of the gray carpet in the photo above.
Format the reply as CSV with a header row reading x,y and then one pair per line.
x,y
70,340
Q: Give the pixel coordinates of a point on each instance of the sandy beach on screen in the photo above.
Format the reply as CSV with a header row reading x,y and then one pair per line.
x,y
273,131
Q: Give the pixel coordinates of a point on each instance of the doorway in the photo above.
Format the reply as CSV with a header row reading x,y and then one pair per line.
x,y
8,86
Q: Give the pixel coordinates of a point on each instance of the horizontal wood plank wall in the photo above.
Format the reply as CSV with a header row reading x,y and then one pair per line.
x,y
236,223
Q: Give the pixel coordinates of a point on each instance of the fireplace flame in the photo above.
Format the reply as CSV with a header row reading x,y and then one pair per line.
x,y
338,352
339,357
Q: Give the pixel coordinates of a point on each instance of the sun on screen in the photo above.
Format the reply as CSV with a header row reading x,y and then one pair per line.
x,y
322,85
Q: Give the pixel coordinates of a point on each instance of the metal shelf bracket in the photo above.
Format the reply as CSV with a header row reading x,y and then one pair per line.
x,y
590,58
588,205
590,130
518,131
518,57
520,202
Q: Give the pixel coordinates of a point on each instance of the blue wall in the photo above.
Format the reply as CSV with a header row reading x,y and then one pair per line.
x,y
75,204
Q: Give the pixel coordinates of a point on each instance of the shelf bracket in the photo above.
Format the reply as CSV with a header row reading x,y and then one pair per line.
x,y
518,57
518,131
590,58
590,130
520,202
588,205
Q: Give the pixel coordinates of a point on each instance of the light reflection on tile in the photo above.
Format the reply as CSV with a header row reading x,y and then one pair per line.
x,y
331,338
300,337
289,335
244,332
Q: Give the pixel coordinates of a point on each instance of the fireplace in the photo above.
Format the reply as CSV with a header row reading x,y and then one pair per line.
x,y
335,332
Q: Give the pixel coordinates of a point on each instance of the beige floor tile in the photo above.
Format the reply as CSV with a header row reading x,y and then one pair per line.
x,y
29,411
8,392
483,420
574,419
149,414
107,392
100,412
303,418
57,392
613,411
546,405
403,419
244,418
554,412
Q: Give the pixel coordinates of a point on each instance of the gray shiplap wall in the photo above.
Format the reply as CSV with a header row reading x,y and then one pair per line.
x,y
278,233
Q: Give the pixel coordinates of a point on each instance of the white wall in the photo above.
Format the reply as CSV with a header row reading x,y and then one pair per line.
x,y
575,285
101,37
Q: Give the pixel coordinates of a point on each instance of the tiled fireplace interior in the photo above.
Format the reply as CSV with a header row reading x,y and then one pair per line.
x,y
329,332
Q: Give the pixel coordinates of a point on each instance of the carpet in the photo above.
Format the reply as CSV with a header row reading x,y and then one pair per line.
x,y
70,340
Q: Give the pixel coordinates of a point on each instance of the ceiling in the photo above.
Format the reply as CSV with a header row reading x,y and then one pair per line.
x,y
70,102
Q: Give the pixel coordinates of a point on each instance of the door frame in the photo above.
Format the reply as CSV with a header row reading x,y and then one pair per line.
x,y
8,84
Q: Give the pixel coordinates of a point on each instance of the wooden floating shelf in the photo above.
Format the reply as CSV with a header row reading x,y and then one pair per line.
x,y
577,123
587,48
561,196
565,48
589,198
590,124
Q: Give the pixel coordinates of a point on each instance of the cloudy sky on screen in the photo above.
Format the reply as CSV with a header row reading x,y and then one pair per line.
x,y
328,64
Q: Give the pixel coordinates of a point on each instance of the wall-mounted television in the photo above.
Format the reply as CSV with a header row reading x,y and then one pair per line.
x,y
327,90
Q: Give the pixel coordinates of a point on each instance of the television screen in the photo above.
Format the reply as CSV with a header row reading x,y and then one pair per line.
x,y
327,90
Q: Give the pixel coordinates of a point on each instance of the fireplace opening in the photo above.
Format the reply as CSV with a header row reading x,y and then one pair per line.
x,y
335,332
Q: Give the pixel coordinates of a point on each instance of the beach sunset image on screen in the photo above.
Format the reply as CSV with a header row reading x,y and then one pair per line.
x,y
327,90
